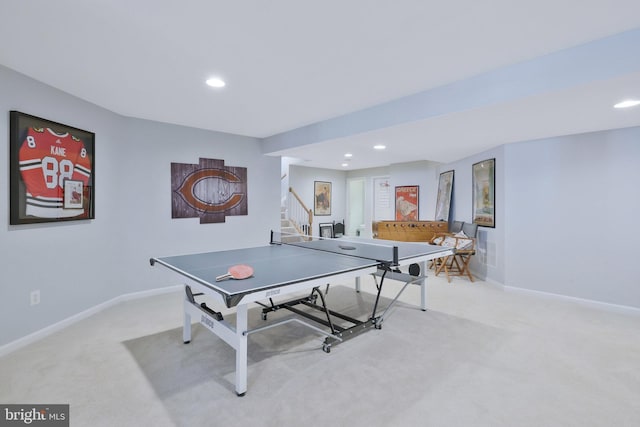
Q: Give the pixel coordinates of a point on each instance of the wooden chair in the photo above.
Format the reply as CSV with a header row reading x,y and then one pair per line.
x,y
465,244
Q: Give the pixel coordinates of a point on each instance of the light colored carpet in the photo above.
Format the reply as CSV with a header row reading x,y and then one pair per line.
x,y
479,356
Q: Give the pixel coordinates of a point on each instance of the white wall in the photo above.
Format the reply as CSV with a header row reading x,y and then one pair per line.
x,y
423,174
301,179
80,264
490,260
565,215
369,175
354,221
572,211
565,212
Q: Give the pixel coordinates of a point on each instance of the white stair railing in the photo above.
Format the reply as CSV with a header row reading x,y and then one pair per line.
x,y
300,216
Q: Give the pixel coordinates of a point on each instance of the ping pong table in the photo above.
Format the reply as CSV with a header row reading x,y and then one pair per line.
x,y
293,264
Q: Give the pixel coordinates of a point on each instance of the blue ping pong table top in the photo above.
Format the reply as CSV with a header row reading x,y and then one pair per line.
x,y
278,265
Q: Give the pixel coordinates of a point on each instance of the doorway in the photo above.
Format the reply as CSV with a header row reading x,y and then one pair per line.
x,y
355,207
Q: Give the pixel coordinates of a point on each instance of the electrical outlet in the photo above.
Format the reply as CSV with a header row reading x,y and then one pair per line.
x,y
35,297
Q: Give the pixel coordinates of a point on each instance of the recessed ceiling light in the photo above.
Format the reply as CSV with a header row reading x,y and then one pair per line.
x,y
379,147
348,155
216,82
628,103
345,164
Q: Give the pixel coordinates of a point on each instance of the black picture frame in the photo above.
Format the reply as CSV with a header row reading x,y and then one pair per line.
x,y
326,230
43,155
484,193
445,190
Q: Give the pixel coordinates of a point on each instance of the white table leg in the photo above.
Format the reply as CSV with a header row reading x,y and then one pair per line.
x,y
241,350
186,327
423,286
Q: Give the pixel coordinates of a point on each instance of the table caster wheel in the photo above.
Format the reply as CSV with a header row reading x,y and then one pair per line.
x,y
326,348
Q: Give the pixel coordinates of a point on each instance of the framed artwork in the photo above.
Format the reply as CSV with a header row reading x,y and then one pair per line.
x,y
445,189
322,198
326,230
382,206
407,203
73,194
208,190
484,183
51,169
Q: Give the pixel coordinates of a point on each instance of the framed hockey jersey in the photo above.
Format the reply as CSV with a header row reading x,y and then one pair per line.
x,y
52,171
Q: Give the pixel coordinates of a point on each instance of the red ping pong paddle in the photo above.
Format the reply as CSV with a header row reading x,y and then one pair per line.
x,y
239,271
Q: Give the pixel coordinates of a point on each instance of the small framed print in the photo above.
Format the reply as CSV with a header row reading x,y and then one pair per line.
x,y
445,189
484,201
73,194
326,230
407,203
322,198
48,163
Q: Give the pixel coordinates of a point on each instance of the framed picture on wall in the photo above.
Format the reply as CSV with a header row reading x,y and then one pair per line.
x,y
73,194
407,203
382,199
322,198
445,189
208,190
326,230
484,183
51,171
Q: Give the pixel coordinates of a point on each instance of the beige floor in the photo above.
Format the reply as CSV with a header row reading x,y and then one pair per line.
x,y
480,356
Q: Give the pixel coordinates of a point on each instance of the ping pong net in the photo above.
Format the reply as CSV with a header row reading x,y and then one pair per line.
x,y
386,254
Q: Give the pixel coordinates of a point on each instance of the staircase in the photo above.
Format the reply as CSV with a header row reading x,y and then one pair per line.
x,y
286,226
295,219
288,230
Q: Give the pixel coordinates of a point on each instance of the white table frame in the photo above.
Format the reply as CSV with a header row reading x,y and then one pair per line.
x,y
236,335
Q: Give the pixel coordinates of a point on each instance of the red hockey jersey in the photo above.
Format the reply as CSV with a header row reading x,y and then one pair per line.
x,y
46,160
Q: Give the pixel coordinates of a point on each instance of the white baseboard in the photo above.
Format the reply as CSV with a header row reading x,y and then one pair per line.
x,y
42,333
616,308
491,282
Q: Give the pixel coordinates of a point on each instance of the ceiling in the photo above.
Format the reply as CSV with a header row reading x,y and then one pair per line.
x,y
293,63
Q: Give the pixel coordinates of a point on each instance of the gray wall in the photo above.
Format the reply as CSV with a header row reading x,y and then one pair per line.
x,y
565,211
489,262
565,215
423,174
78,265
571,216
301,179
